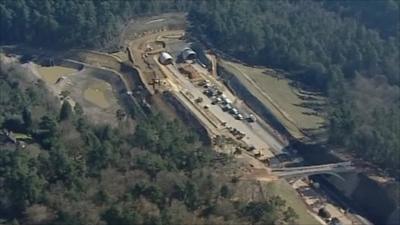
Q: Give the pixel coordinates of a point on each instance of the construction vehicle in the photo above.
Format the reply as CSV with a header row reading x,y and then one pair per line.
x,y
148,48
251,118
202,83
241,136
250,148
234,111
226,107
199,100
239,116
234,131
190,72
154,82
238,151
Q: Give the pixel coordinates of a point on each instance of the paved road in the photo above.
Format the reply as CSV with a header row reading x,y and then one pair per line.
x,y
256,135
260,127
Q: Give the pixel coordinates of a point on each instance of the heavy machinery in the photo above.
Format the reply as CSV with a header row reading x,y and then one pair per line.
x,y
154,82
190,72
199,100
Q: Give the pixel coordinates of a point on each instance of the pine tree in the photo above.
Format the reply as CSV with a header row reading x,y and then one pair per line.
x,y
78,109
27,117
66,111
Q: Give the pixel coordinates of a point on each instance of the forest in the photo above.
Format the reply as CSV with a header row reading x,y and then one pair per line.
x,y
69,171
74,23
349,50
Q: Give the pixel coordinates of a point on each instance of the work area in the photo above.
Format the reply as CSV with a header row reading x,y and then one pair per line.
x,y
221,108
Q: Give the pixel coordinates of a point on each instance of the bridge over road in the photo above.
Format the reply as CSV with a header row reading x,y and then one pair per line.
x,y
332,169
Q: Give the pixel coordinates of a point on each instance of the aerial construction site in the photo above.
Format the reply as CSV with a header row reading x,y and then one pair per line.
x,y
160,68
167,63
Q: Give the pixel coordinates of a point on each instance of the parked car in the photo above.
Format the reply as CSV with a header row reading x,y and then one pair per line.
x,y
239,116
234,111
251,118
226,107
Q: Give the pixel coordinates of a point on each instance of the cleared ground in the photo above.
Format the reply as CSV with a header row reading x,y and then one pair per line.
x,y
138,27
96,94
294,108
97,97
52,73
255,134
150,69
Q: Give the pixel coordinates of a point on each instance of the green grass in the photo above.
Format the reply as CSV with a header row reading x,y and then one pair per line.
x,y
292,198
276,93
96,93
52,73
21,136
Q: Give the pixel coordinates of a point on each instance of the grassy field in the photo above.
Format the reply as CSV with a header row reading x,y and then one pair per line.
x,y
142,25
52,73
292,198
22,136
121,55
291,106
97,94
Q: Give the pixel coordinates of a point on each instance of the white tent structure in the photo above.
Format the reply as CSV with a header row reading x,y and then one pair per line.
x,y
165,58
188,54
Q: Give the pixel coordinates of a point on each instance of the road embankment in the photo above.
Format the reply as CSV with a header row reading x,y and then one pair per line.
x,y
242,92
381,206
187,117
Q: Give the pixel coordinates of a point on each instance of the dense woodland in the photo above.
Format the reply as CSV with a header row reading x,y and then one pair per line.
x,y
347,49
73,172
377,15
74,23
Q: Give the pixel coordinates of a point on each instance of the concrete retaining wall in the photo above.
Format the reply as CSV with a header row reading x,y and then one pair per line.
x,y
379,202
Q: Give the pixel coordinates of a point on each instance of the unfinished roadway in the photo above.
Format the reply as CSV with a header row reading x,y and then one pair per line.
x,y
258,134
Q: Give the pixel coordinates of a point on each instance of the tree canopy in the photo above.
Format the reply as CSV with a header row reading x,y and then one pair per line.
x,y
74,172
73,23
